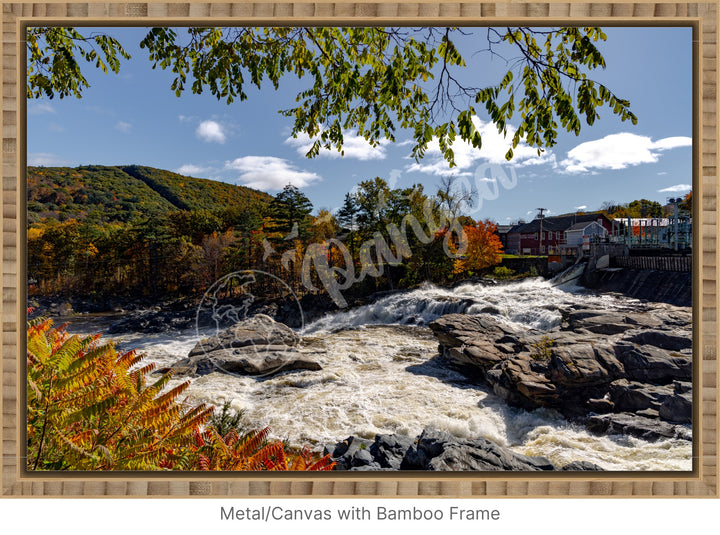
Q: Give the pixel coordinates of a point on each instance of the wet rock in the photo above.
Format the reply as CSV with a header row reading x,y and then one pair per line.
x,y
598,322
256,346
576,466
246,361
600,406
351,453
453,330
651,364
389,450
431,450
638,426
631,396
678,407
152,321
257,331
662,339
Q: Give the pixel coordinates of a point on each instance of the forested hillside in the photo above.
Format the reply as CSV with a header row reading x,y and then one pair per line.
x,y
121,193
138,232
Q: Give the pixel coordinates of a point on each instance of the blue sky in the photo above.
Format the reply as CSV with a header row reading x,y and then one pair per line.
x,y
133,118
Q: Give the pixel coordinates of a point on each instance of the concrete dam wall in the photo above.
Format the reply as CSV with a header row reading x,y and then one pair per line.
x,y
671,287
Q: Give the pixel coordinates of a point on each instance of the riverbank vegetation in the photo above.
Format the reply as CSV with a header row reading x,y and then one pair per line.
x,y
135,232
92,408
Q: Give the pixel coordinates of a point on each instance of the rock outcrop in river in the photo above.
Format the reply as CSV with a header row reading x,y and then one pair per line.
x,y
436,450
620,372
256,346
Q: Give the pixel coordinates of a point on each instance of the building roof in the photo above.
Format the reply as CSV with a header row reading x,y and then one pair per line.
x,y
558,223
580,226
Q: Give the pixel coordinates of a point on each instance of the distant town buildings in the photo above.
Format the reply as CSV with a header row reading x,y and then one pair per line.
x,y
553,234
570,234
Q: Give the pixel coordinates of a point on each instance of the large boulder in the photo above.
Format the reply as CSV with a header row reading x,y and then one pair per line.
x,y
256,346
257,331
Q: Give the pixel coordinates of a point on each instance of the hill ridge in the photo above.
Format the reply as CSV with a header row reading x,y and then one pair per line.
x,y
160,189
122,192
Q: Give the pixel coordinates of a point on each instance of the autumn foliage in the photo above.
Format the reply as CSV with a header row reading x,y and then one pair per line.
x,y
92,408
483,248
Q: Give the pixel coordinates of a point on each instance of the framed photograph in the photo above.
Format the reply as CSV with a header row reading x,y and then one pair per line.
x,y
369,249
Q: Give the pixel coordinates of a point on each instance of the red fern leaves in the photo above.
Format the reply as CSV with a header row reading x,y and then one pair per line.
x,y
90,408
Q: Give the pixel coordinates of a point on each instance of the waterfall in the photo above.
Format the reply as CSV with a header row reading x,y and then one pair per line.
x,y
531,303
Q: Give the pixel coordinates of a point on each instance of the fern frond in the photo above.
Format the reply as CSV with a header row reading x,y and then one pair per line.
x,y
67,352
203,462
90,411
74,447
171,395
324,463
35,389
271,457
252,442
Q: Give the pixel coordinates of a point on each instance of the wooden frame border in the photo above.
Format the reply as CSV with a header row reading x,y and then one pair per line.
x,y
701,482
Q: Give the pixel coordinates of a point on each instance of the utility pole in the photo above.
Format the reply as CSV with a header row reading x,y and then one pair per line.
x,y
676,215
541,217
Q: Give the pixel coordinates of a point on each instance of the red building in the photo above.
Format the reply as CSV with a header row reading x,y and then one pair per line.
x,y
526,238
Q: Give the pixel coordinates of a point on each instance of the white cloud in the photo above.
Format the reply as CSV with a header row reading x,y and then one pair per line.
x,y
38,108
618,151
189,169
211,131
354,146
47,159
123,127
270,173
581,208
672,143
678,188
493,150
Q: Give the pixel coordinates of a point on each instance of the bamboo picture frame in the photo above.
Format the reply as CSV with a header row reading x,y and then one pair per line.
x,y
702,481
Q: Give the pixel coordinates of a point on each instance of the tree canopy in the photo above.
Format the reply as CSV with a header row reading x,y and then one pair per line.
x,y
372,80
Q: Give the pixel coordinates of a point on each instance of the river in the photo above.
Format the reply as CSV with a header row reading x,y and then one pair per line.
x,y
381,374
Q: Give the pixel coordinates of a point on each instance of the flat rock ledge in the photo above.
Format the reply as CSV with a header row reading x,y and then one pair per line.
x,y
435,450
257,346
617,372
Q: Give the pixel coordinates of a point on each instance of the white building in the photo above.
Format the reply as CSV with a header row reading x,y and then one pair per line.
x,y
574,235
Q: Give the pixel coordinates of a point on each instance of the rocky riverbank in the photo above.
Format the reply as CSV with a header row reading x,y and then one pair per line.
x,y
141,315
616,372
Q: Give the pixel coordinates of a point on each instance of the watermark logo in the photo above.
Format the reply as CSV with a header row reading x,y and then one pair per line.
x,y
236,318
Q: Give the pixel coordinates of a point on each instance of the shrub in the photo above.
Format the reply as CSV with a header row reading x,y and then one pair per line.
x,y
543,349
503,272
92,408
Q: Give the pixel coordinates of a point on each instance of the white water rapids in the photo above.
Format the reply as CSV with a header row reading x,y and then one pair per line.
x,y
381,375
